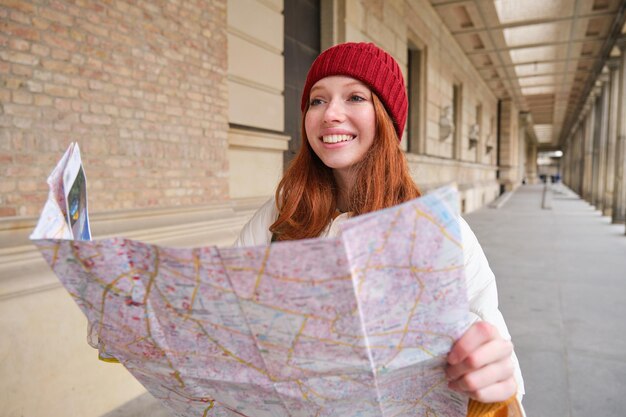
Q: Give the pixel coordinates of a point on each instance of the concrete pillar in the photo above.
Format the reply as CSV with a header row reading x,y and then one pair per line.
x,y
602,121
567,162
588,149
580,157
571,160
531,163
619,188
609,178
508,147
521,145
575,162
595,143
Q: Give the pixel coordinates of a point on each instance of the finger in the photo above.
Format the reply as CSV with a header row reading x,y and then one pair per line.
x,y
492,351
484,377
500,391
478,334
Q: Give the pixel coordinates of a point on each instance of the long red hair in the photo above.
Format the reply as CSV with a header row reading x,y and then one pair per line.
x,y
306,196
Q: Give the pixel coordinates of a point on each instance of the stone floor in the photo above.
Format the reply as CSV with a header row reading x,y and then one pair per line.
x,y
561,276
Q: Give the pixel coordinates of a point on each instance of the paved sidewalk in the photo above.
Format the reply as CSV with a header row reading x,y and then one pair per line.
x,y
562,286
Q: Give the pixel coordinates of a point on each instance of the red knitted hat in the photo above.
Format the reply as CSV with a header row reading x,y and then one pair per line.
x,y
369,64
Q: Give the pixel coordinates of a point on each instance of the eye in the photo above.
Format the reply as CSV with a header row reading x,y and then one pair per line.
x,y
315,102
356,98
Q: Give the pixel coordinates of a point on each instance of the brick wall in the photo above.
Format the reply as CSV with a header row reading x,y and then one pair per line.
x,y
141,85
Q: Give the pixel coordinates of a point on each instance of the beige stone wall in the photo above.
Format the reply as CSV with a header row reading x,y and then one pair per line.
x,y
256,160
446,66
256,102
476,183
48,368
141,86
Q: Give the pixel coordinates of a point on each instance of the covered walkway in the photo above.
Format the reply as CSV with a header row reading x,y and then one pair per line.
x,y
562,286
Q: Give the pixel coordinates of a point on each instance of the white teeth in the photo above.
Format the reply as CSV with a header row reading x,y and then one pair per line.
x,y
336,138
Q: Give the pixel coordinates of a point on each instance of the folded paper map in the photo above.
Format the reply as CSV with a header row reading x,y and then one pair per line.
x,y
353,326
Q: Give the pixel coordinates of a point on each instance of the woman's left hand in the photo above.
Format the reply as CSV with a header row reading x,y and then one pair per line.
x,y
480,365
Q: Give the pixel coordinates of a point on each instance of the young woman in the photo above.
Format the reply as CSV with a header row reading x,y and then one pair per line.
x,y
354,107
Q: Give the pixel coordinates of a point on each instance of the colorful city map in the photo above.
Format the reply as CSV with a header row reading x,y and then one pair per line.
x,y
357,325
353,326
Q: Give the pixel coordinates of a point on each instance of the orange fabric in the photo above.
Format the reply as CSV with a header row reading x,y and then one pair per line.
x,y
508,408
503,412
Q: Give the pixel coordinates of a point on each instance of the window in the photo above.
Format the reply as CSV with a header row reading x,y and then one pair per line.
x,y
301,47
457,93
490,141
417,99
478,128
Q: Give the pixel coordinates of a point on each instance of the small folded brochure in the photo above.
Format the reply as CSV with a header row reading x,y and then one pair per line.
x,y
65,215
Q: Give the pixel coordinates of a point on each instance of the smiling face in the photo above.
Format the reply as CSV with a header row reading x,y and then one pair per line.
x,y
340,122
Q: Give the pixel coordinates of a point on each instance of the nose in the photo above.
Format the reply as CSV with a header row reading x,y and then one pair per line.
x,y
335,112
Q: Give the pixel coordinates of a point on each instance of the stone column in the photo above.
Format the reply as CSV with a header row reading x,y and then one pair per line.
x,y
588,148
574,160
603,118
579,158
509,132
619,187
595,142
565,162
609,178
580,164
524,120
571,160
531,163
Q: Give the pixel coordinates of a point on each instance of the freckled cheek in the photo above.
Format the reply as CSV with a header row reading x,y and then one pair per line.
x,y
310,126
370,118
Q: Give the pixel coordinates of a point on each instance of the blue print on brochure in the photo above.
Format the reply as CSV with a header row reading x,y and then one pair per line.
x,y
77,205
